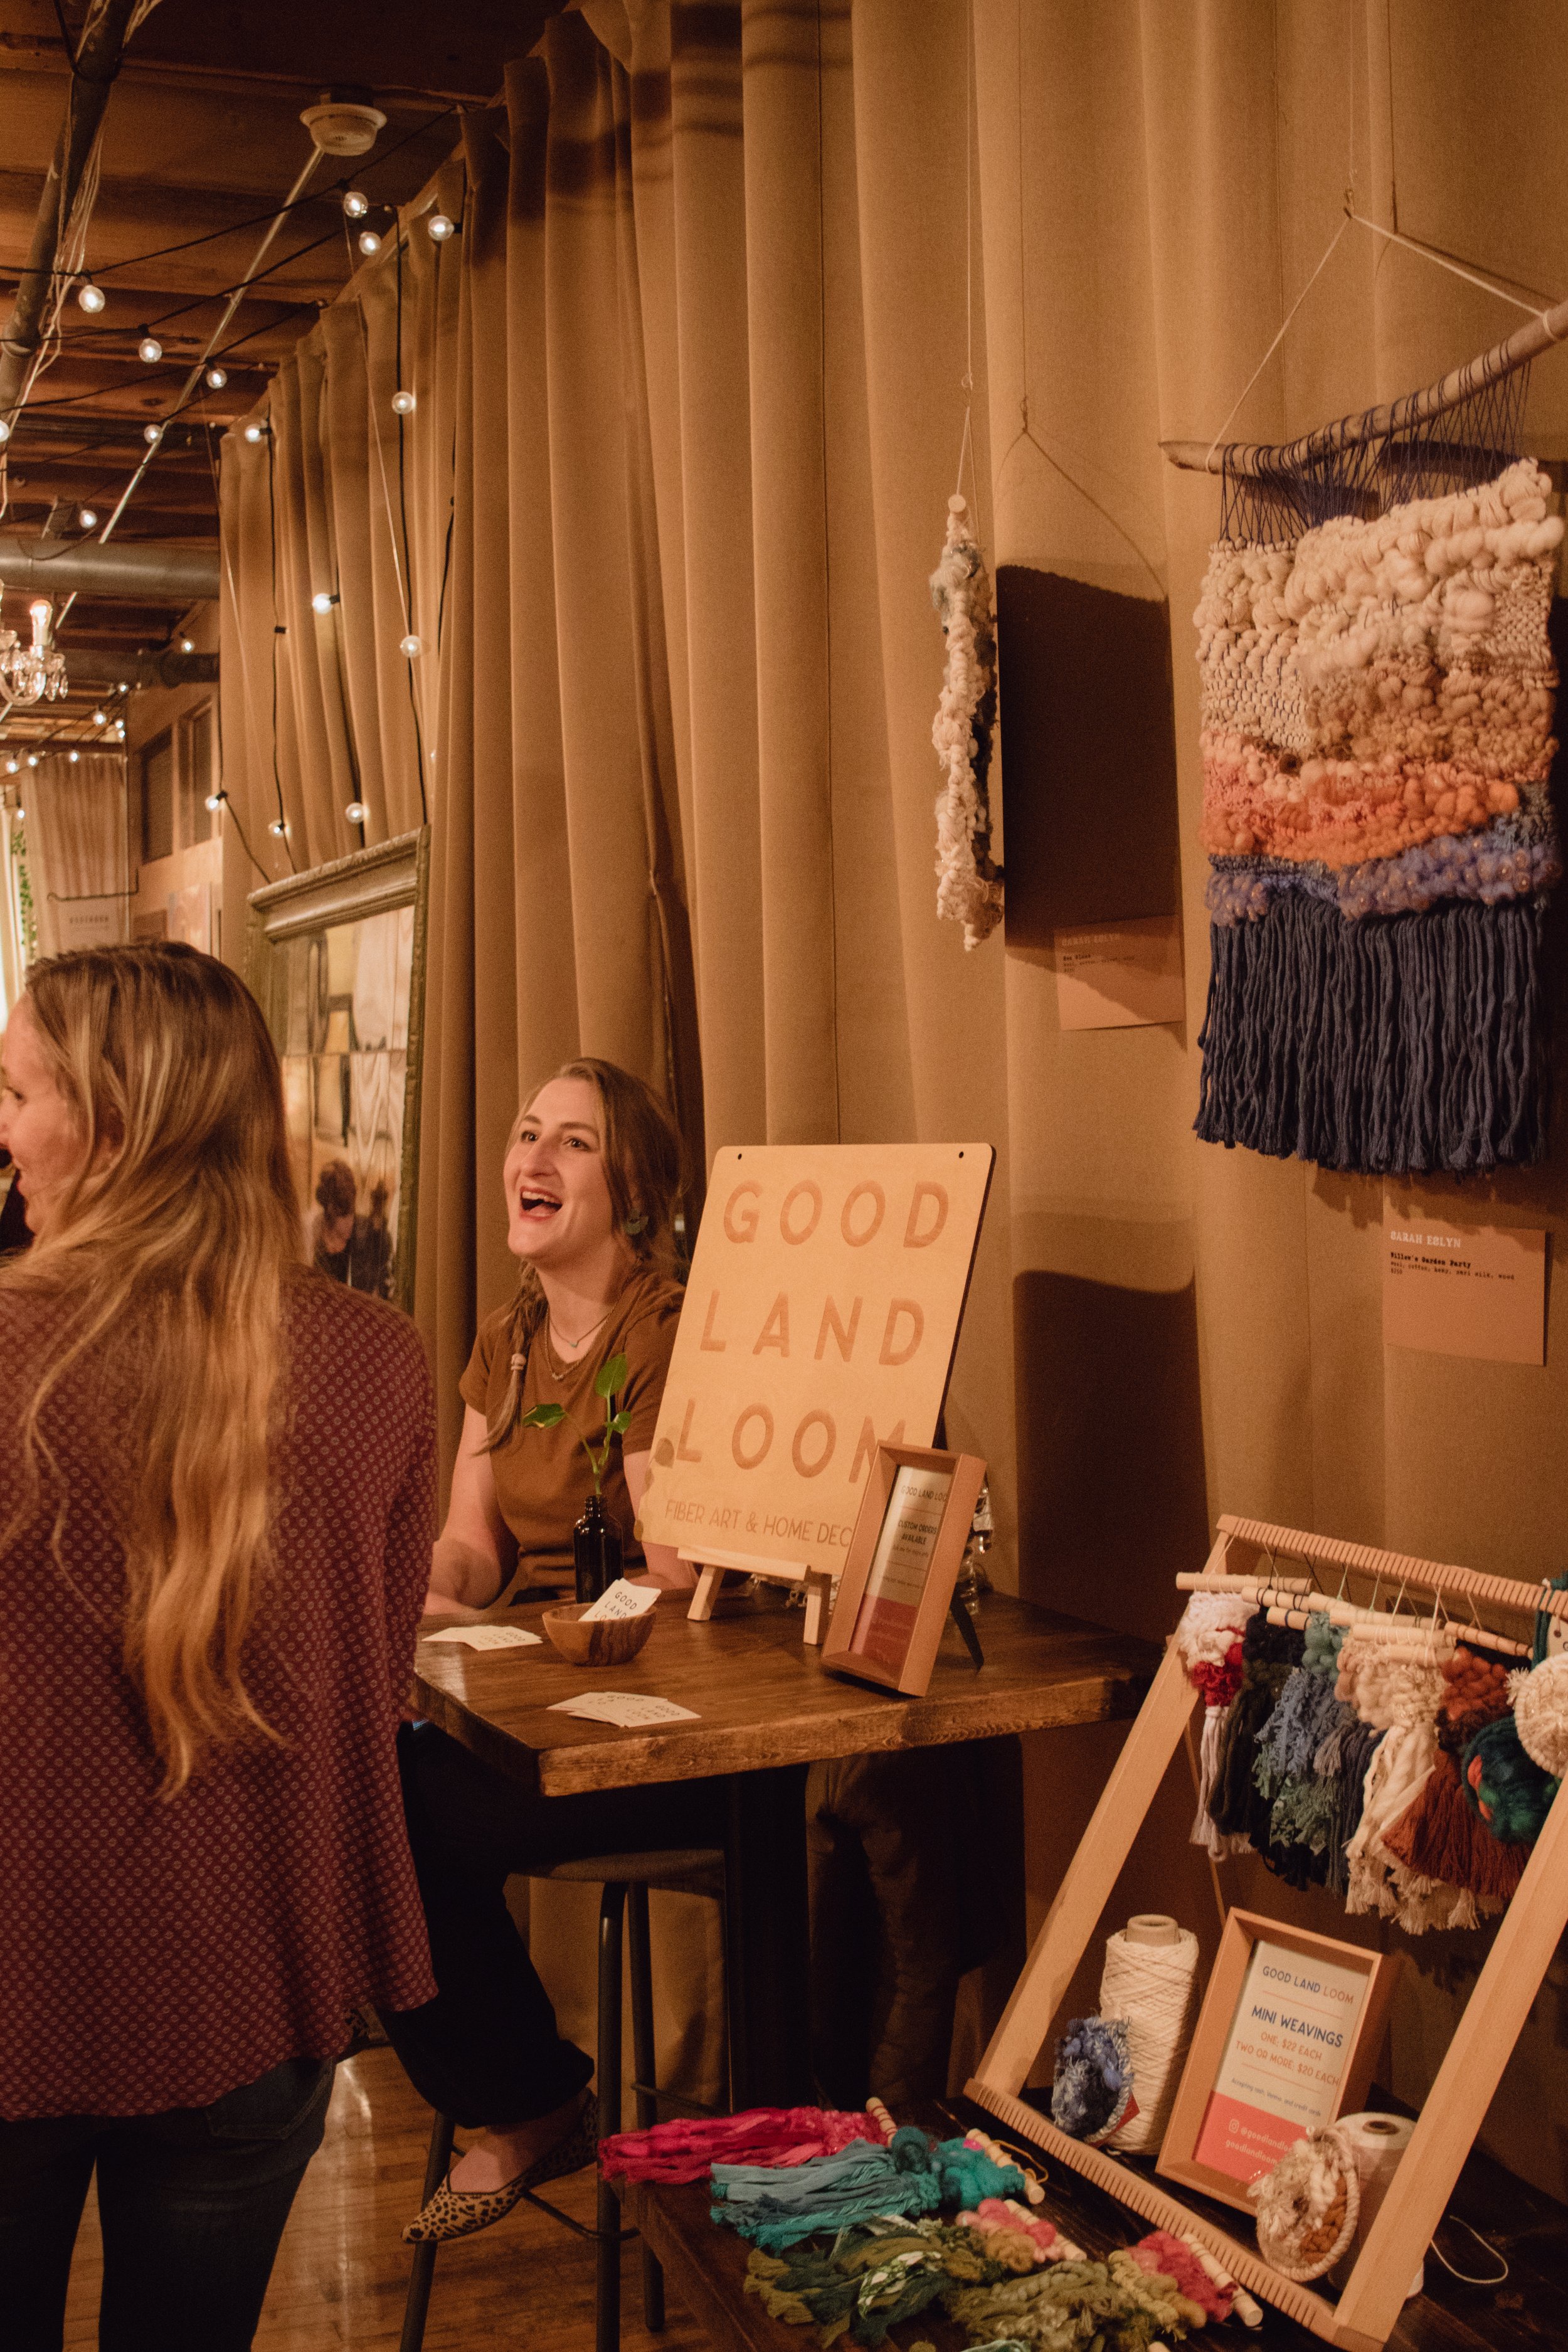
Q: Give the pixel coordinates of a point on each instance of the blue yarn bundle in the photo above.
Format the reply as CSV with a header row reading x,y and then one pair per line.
x,y
776,2208
1092,2086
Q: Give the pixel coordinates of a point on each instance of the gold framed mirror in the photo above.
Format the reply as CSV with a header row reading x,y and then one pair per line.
x,y
336,960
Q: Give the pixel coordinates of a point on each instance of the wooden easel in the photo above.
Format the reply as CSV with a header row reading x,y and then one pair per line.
x,y
1456,2107
712,1565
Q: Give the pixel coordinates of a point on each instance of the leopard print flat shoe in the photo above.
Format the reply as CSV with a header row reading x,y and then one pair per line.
x,y
458,2212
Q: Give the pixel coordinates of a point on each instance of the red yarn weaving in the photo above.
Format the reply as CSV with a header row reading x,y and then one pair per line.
x,y
683,2150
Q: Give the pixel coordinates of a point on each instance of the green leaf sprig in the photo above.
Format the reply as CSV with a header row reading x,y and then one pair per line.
x,y
608,1382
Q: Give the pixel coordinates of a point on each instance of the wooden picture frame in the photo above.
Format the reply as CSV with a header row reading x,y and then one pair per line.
x,y
298,930
1521,1949
1309,1974
902,1564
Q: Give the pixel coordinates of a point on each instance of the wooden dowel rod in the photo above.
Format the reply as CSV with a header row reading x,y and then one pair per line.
x,y
1393,1567
1256,459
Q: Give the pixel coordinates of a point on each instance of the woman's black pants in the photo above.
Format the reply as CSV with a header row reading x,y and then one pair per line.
x,y
487,2049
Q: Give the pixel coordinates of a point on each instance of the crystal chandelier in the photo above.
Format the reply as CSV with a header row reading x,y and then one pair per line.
x,y
35,673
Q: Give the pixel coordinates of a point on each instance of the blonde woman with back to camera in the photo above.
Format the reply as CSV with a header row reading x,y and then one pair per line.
x,y
216,1504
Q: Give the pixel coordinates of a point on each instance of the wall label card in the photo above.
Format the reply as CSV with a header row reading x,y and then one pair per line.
x,y
1464,1290
1122,975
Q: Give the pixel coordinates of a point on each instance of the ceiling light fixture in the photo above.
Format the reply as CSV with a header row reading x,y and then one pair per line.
x,y
35,673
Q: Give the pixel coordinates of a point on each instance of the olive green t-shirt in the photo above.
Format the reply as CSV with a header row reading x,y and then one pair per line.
x,y
541,1476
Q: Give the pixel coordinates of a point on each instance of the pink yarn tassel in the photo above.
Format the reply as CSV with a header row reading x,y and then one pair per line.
x,y
774,2136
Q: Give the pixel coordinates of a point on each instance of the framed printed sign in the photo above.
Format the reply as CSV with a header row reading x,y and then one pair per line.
x,y
903,1562
1288,2039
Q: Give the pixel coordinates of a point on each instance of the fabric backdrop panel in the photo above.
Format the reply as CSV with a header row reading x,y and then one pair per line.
x,y
78,848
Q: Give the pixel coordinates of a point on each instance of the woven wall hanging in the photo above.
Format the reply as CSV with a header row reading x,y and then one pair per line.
x,y
1378,695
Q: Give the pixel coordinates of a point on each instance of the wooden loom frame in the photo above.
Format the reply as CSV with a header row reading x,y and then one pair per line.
x,y
1366,2312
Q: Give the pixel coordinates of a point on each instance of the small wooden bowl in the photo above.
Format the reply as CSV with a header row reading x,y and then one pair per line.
x,y
610,1642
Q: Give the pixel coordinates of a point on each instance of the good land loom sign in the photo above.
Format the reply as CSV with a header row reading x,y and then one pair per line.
x,y
821,1316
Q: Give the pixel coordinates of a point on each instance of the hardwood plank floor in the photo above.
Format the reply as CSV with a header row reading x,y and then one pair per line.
x,y
341,2270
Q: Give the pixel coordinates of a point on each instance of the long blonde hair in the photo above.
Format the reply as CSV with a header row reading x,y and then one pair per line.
x,y
642,1157
172,1246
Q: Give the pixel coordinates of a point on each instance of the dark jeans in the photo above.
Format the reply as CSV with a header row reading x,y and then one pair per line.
x,y
487,2050
191,2204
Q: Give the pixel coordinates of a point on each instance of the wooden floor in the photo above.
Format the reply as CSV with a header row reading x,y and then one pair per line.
x,y
341,2270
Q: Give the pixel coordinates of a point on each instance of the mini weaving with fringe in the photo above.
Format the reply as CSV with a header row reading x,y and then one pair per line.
x,y
1377,709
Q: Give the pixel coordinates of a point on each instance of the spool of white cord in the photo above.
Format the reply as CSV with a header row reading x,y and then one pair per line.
x,y
1151,1979
1377,2143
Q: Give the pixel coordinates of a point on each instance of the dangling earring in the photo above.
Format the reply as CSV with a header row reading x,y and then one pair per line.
x,y
633,1224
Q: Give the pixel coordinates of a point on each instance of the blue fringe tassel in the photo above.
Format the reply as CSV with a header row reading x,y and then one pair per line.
x,y
1392,1043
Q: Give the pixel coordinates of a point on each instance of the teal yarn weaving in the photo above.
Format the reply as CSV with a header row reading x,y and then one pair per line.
x,y
915,2175
1511,1795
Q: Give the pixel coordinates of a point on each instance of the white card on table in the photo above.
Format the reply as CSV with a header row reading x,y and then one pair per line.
x,y
630,1709
620,1599
488,1637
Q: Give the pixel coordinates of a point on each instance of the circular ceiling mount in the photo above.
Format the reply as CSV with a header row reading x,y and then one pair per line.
x,y
342,126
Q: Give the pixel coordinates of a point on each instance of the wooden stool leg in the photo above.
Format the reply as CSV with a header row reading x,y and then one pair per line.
x,y
607,2281
639,1962
423,2269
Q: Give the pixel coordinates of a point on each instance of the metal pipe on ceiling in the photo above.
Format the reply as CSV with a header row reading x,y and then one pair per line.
x,y
143,571
98,665
93,70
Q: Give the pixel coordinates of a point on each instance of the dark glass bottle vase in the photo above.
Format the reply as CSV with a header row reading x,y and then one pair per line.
x,y
595,1549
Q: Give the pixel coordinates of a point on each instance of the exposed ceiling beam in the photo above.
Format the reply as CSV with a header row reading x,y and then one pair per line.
x,y
136,217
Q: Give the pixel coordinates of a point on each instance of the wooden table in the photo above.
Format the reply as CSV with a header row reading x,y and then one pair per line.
x,y
766,1710
706,2266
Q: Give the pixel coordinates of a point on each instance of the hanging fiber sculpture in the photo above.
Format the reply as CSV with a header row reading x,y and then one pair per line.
x,y
685,2150
968,886
914,2175
1302,1804
1269,1655
1397,1687
1511,1793
1541,1716
1377,707
1209,1642
1443,1837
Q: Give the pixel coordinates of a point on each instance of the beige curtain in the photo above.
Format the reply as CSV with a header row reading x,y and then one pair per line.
x,y
78,850
690,398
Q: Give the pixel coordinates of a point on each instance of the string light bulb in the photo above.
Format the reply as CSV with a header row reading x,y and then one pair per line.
x,y
217,378
4,430
356,811
322,601
369,243
215,802
101,718
32,759
356,204
152,435
187,644
404,404
89,518
255,432
150,349
11,766
74,757
412,646
278,827
441,225
91,298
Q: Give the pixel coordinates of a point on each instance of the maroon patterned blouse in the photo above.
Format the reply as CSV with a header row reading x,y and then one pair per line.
x,y
157,1954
